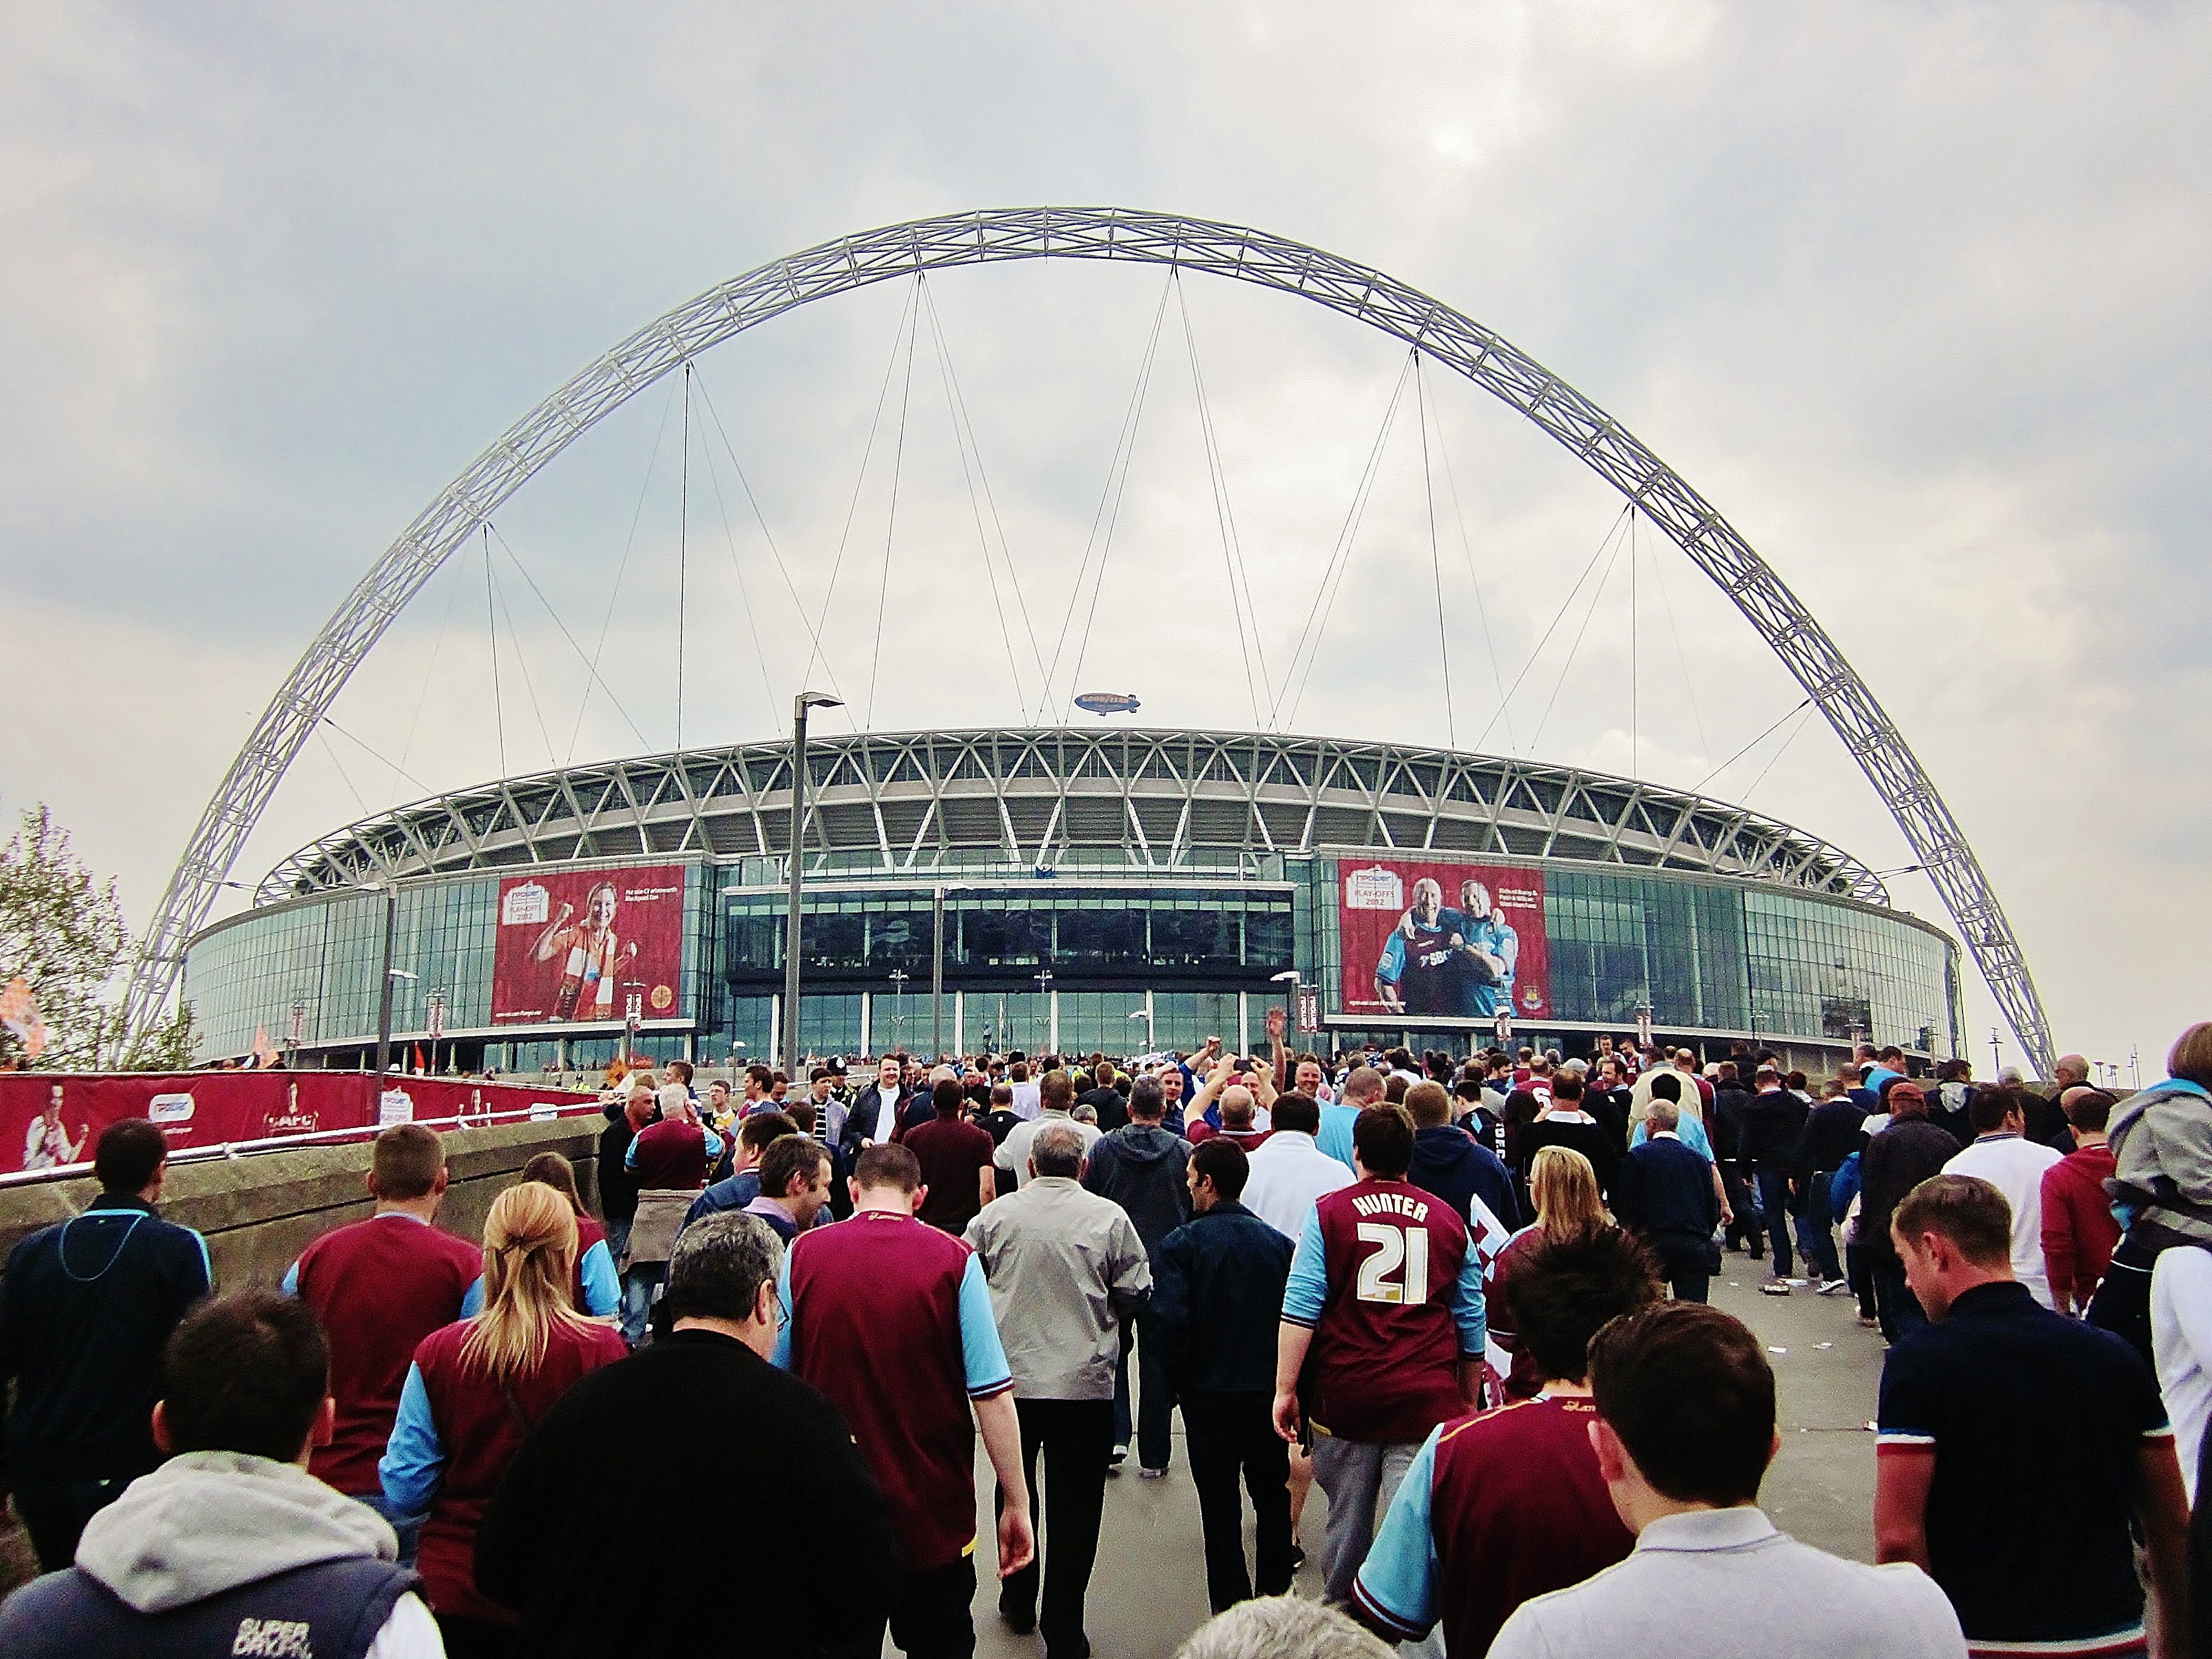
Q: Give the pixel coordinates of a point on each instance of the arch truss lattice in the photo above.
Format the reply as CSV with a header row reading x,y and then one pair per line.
x,y
1451,339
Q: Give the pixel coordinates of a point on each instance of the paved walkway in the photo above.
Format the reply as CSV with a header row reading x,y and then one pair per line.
x,y
1149,1590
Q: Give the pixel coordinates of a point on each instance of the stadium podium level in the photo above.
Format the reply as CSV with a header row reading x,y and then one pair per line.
x,y
1117,890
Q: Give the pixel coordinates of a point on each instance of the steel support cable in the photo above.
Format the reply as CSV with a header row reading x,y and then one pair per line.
x,y
1698,787
346,777
1114,519
1682,655
1780,749
1466,548
521,657
966,421
813,631
1635,628
1109,497
1235,252
1312,634
891,520
683,554
868,451
1559,617
975,511
1232,552
629,541
1436,562
491,625
591,670
423,691
373,755
1567,668
744,592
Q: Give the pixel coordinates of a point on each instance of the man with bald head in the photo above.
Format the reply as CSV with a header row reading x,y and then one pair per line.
x,y
1237,1107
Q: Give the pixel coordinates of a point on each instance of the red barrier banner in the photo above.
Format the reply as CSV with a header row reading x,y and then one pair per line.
x,y
1441,941
574,947
49,1119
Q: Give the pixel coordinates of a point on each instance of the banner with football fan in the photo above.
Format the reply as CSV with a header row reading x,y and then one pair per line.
x,y
1441,942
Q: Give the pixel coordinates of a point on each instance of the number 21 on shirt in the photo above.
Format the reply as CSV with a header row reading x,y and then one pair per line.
x,y
1398,1271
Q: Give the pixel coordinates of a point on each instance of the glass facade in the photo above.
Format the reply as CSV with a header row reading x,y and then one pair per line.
x,y
1189,955
1727,957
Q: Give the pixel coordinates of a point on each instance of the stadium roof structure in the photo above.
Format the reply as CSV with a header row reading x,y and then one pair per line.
x,y
914,802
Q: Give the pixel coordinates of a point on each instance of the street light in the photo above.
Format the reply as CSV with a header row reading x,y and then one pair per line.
x,y
898,978
1151,1039
800,706
1043,977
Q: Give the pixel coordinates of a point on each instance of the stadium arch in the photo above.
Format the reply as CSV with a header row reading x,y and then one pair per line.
x,y
1240,253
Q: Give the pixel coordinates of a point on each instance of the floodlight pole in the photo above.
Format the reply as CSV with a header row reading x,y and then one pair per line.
x,y
800,706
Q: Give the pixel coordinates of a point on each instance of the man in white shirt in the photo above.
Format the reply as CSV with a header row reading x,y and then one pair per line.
x,y
2003,1156
1289,1170
1710,1576
1057,1100
1027,1096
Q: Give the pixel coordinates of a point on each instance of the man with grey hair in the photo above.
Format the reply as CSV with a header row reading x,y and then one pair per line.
x,y
1664,1192
1281,1627
542,1548
1066,1269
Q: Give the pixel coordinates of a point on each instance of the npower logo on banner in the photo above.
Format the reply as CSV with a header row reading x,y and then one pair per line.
x,y
170,1109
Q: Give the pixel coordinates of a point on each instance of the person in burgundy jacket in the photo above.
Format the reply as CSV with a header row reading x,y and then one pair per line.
x,y
475,1391
892,1320
2079,1231
380,1286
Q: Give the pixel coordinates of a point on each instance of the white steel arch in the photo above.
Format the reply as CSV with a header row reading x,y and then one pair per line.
x,y
1452,339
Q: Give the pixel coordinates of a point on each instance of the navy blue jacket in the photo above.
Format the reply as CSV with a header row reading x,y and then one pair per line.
x,y
723,1197
86,1308
1217,1302
1665,1189
1455,1166
332,1610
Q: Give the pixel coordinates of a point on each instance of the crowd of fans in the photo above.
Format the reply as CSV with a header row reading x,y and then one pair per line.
x,y
737,1411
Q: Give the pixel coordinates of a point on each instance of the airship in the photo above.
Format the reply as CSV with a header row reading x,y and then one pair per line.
x,y
1103,703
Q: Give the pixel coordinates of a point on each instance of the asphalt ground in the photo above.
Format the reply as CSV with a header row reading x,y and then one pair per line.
x,y
1148,1591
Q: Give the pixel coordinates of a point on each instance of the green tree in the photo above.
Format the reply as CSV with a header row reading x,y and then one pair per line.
x,y
61,930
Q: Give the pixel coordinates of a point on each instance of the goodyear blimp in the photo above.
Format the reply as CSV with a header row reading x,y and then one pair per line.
x,y
1103,703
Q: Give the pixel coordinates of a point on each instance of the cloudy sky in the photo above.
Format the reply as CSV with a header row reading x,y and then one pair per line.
x,y
1916,295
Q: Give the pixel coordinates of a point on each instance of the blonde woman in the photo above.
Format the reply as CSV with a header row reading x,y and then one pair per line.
x,y
1563,1187
476,1389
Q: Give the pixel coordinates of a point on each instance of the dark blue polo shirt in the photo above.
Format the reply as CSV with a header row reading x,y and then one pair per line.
x,y
2034,1421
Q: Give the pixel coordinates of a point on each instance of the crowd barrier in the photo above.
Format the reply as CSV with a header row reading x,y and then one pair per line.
x,y
50,1121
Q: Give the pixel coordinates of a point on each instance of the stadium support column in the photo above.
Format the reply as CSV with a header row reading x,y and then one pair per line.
x,y
796,854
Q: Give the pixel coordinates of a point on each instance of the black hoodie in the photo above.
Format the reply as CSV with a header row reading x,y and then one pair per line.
x,y
1140,1167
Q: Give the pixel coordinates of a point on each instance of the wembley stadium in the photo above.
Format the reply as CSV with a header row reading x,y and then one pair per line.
x,y
1066,890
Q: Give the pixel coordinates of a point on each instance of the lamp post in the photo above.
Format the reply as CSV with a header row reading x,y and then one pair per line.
x,y
800,706
1151,1043
898,978
1043,977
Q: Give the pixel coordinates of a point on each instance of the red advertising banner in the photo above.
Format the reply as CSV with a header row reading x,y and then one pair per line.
x,y
1441,941
48,1120
573,948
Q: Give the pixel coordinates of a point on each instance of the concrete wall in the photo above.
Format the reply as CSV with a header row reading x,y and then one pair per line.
x,y
259,1213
